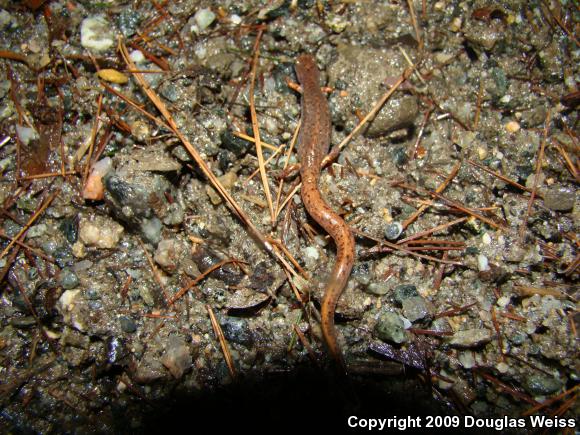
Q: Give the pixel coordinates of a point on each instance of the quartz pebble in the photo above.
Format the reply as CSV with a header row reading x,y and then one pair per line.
x,y
96,33
100,231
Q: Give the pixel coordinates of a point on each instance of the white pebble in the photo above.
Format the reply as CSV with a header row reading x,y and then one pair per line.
x,y
96,33
311,252
137,56
203,18
26,134
100,231
66,300
486,239
482,263
503,301
502,367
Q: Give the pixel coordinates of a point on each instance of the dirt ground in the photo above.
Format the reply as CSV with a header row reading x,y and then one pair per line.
x,y
158,267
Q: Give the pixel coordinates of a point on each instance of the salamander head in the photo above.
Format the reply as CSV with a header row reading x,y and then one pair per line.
x,y
306,68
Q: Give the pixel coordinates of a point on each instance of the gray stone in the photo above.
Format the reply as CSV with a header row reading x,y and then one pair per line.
x,y
537,384
560,198
416,308
362,70
127,324
393,230
403,292
177,357
68,279
390,327
470,338
376,288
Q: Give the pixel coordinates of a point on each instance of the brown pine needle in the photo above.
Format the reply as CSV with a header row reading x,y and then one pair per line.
x,y
306,344
539,160
195,154
567,160
28,247
515,393
439,189
498,175
286,162
272,157
136,106
432,230
32,219
468,211
388,246
251,139
198,279
415,24
48,175
217,329
256,128
287,253
549,401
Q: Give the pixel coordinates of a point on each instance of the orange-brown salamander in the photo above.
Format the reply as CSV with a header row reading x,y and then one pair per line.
x,y
314,143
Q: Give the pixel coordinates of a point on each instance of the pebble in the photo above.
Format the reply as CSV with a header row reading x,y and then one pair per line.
x,y
540,384
203,19
168,253
68,280
96,33
390,327
36,231
486,239
466,359
175,214
66,300
378,289
100,231
151,229
470,338
560,198
113,76
393,230
404,291
482,263
137,56
128,325
94,189
512,126
416,308
237,331
177,358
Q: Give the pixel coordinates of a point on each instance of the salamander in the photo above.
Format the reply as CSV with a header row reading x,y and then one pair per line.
x,y
314,144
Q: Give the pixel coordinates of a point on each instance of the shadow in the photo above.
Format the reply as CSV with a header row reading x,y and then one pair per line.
x,y
306,399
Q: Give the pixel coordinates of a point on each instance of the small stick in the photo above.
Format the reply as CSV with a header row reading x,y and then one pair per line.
x,y
439,189
217,329
498,175
32,219
256,129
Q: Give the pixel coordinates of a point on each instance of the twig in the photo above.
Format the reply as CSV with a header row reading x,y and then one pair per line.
x,y
439,189
256,129
32,219
217,329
